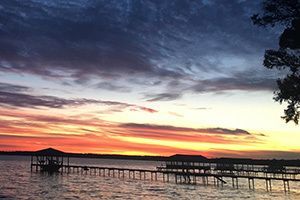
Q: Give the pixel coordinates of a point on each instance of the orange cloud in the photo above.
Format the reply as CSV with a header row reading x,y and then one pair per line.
x,y
29,130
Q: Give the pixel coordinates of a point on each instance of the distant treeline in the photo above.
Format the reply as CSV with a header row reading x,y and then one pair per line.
x,y
91,155
177,157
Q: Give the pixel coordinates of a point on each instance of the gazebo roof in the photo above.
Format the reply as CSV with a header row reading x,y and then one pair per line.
x,y
187,158
50,152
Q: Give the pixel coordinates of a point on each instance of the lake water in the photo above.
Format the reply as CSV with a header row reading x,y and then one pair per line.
x,y
17,182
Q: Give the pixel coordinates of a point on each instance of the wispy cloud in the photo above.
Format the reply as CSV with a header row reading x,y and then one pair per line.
x,y
162,97
185,129
176,114
7,87
238,82
14,95
110,86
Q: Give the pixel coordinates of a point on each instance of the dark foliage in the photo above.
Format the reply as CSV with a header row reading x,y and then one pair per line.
x,y
287,57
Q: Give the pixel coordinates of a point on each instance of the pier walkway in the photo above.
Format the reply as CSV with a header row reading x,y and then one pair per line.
x,y
196,176
183,169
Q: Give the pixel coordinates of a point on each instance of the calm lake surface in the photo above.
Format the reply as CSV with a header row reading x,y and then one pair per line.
x,y
17,182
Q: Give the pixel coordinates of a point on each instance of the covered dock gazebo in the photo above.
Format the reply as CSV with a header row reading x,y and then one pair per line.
x,y
49,160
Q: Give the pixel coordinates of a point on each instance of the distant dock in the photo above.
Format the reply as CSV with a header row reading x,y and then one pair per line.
x,y
183,169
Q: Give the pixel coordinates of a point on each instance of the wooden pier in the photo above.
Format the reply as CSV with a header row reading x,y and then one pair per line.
x,y
199,171
180,177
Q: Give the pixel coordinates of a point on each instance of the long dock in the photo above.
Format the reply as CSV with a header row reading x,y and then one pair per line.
x,y
194,177
107,171
183,169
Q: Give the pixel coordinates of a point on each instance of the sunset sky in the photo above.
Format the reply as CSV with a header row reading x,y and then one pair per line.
x,y
155,77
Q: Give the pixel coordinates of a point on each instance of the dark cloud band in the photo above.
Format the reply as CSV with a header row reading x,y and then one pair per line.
x,y
184,129
116,39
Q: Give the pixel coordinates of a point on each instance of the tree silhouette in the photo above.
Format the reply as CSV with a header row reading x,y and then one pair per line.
x,y
287,57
